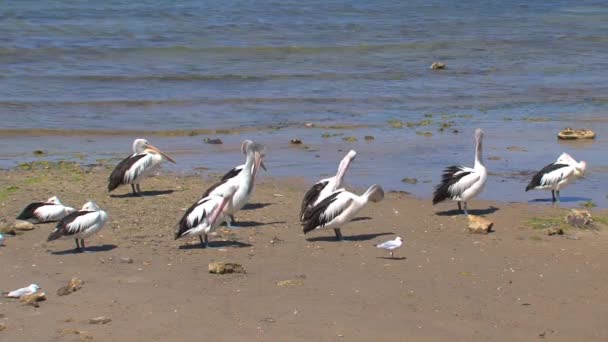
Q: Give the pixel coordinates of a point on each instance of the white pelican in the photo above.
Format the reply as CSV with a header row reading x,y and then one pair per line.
x,y
144,161
461,183
236,170
557,175
49,211
204,216
338,209
80,225
243,181
325,187
391,245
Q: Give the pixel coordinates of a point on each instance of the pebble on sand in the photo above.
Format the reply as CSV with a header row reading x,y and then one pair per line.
x,y
100,320
73,285
22,225
33,299
579,218
479,225
226,267
290,282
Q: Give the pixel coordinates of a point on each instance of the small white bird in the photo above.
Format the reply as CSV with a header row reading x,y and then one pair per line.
x,y
80,225
391,245
33,288
1,239
49,211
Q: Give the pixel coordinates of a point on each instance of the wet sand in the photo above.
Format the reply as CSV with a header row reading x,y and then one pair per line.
x,y
516,284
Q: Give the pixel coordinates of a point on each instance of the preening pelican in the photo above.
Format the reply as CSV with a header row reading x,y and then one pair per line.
x,y
236,170
80,225
557,175
325,187
49,211
338,209
461,183
204,216
144,161
243,181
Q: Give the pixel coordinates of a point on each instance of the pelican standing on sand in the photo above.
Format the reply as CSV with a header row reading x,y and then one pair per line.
x,y
338,209
325,187
49,211
461,183
243,181
144,161
204,216
80,225
557,175
236,170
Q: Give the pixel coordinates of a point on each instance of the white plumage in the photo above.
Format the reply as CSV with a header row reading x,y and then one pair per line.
x,y
391,245
80,225
49,211
557,175
24,291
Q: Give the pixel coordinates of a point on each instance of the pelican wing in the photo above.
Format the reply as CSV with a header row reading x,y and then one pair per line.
x,y
30,211
117,177
311,197
74,223
196,214
215,186
326,211
550,175
233,173
454,181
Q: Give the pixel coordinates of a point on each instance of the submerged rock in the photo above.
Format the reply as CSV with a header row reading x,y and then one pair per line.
x,y
479,225
225,267
216,141
438,66
408,180
295,141
572,134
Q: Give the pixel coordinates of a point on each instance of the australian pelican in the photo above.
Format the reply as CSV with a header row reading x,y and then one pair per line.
x,y
49,211
325,187
338,209
80,225
557,175
204,216
391,245
236,170
461,183
144,161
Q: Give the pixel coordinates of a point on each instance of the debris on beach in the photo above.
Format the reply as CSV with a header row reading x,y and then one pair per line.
x,y
216,141
350,139
369,138
73,285
22,225
39,152
7,229
409,180
33,299
126,260
2,326
579,218
226,267
572,134
290,282
438,66
295,141
555,231
516,149
100,320
479,225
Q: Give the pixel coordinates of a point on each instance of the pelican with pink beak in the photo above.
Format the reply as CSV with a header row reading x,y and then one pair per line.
x,y
144,161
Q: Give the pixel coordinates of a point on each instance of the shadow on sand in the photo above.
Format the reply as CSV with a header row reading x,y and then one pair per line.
x,y
91,249
389,258
347,238
150,193
571,199
253,206
216,244
456,212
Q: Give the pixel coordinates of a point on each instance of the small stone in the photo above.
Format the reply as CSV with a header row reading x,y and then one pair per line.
x,y
350,139
295,141
438,66
290,282
22,225
408,180
216,141
369,138
7,230
579,218
494,158
126,260
479,225
268,320
33,299
2,326
555,231
100,320
226,267
74,285
38,152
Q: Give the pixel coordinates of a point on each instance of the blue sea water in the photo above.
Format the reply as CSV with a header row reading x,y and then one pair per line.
x,y
522,70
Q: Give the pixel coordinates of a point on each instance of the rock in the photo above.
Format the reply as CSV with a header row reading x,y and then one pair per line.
x,y
479,225
126,260
7,230
571,134
2,326
295,141
290,282
555,231
38,152
22,225
309,124
33,299
350,139
100,320
226,267
408,180
369,138
579,218
516,149
216,141
74,285
438,66
494,158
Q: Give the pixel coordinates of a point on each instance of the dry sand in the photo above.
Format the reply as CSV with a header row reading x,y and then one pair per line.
x,y
516,284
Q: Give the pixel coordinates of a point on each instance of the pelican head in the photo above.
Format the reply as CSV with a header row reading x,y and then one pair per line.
x,y
261,150
375,193
478,135
53,200
580,168
144,146
344,164
90,206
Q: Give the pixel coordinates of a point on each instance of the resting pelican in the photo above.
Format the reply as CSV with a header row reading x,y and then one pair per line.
x,y
557,175
144,161
204,216
80,225
49,211
461,183
235,171
325,187
243,181
338,209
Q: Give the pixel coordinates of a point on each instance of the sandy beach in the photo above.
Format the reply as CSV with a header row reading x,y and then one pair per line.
x,y
515,284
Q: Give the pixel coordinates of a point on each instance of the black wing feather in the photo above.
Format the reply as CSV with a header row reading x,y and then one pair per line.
x,y
448,178
117,177
28,212
183,226
213,187
314,218
232,173
61,228
536,180
310,197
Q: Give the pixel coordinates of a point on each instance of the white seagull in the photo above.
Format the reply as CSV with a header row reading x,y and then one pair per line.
x,y
461,183
391,245
24,291
144,161
243,181
236,170
204,216
338,209
557,175
80,225
49,211
325,187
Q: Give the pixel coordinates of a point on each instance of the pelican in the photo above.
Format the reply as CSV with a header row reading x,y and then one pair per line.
x,y
461,183
236,170
391,245
204,216
49,211
325,187
338,209
80,225
243,181
557,175
144,161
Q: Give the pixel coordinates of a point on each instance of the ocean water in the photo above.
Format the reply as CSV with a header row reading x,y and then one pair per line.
x,y
99,74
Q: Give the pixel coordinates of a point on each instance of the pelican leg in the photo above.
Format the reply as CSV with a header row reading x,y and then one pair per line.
x,y
338,234
205,242
466,212
78,249
138,188
230,222
552,195
392,256
557,193
134,191
459,207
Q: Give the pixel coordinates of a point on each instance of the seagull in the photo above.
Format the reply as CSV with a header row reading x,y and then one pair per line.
x,y
49,211
325,187
236,170
24,291
338,209
461,183
1,239
144,161
557,175
80,225
391,245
